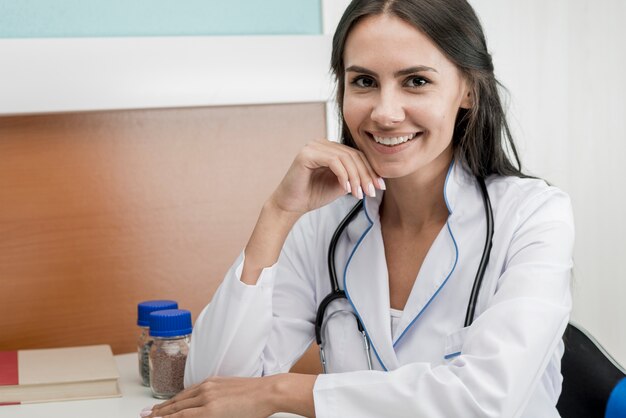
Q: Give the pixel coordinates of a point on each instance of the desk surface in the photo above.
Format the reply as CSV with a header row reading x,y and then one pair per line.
x,y
134,398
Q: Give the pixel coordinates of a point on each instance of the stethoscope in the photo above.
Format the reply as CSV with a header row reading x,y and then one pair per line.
x,y
336,293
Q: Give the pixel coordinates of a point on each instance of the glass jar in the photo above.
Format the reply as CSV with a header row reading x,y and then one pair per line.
x,y
145,341
171,334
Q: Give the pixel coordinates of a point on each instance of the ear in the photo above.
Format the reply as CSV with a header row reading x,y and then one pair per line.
x,y
467,101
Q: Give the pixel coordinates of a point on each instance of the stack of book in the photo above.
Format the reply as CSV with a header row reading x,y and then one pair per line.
x,y
58,374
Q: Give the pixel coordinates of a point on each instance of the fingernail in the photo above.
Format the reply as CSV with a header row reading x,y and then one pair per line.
x,y
348,187
359,193
147,408
381,183
371,190
145,413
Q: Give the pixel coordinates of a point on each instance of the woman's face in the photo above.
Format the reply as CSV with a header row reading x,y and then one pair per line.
x,y
402,95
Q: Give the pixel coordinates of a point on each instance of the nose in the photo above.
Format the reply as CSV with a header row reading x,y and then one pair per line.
x,y
388,109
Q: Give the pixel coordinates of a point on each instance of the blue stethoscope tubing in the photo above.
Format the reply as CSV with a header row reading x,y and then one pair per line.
x,y
337,293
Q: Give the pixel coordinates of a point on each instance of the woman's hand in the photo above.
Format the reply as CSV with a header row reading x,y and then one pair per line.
x,y
219,397
251,397
321,172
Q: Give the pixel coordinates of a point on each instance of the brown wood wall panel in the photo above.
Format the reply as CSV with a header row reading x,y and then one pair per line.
x,y
99,211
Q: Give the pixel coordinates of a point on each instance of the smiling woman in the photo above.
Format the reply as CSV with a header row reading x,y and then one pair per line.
x,y
392,103
403,123
417,184
458,58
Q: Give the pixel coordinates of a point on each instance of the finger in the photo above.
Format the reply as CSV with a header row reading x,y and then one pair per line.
x,y
338,168
189,393
355,167
178,406
367,183
188,413
337,161
379,183
342,161
363,177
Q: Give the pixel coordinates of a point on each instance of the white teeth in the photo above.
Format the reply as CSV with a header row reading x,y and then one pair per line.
x,y
393,140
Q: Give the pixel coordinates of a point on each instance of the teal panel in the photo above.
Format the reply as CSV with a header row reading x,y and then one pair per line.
x,y
107,18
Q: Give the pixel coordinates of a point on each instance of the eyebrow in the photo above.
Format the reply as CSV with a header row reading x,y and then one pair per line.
x,y
406,71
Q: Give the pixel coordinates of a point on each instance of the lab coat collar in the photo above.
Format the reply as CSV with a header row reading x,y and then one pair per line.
x,y
458,179
366,279
367,286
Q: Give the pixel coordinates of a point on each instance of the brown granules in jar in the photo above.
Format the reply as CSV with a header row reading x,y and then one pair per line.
x,y
168,371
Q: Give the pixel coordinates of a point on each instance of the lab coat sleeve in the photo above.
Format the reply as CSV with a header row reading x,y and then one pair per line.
x,y
261,329
507,348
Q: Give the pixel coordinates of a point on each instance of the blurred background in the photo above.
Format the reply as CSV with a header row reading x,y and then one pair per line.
x,y
138,141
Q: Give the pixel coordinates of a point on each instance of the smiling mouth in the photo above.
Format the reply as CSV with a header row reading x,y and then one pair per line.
x,y
392,141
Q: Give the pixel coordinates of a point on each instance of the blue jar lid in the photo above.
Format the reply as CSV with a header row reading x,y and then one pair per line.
x,y
145,308
170,323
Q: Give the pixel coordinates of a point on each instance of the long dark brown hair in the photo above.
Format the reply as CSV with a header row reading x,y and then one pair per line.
x,y
481,133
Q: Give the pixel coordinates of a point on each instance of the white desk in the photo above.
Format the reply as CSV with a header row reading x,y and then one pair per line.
x,y
134,398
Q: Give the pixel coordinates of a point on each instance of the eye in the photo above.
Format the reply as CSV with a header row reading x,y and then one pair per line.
x,y
416,81
364,82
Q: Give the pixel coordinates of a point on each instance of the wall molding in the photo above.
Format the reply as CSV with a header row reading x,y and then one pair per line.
x,y
50,75
83,74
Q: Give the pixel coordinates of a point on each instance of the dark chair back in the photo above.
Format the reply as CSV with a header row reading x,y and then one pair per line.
x,y
590,378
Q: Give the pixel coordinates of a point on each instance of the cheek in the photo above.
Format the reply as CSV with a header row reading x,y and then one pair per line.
x,y
354,112
436,116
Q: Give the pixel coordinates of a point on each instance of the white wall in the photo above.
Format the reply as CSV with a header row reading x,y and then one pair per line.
x,y
564,62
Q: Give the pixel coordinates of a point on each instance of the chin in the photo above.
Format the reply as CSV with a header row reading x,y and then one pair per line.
x,y
393,171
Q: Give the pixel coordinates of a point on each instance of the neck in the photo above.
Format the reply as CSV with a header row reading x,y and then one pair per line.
x,y
417,201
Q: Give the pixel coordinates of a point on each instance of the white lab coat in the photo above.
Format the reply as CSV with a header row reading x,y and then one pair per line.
x,y
506,364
